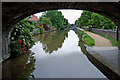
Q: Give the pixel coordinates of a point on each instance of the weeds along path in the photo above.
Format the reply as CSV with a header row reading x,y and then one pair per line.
x,y
99,40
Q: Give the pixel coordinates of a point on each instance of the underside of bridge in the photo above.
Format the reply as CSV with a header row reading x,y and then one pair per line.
x,y
14,12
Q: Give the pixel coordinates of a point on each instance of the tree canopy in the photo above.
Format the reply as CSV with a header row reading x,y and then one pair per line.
x,y
46,21
91,19
56,18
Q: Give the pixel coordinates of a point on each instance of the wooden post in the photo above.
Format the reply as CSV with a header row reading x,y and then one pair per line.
x,y
117,34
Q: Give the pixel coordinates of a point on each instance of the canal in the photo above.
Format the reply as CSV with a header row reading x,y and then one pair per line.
x,y
55,55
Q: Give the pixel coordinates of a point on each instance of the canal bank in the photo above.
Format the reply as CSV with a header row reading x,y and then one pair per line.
x,y
104,58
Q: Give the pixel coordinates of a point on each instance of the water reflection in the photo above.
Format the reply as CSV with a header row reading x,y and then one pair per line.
x,y
53,40
67,61
80,43
20,67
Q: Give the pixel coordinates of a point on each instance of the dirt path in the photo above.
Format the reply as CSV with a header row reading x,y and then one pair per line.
x,y
99,41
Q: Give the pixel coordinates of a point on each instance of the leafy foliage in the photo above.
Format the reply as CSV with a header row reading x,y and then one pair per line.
x,y
21,38
46,21
90,19
40,29
56,18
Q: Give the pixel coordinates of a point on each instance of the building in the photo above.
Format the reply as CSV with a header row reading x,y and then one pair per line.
x,y
34,18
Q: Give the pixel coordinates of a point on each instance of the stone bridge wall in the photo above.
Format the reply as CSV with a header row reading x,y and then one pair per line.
x,y
109,33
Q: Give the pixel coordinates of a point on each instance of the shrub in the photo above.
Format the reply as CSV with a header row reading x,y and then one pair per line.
x,y
21,38
41,29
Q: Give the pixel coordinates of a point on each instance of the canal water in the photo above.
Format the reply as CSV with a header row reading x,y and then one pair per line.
x,y
55,55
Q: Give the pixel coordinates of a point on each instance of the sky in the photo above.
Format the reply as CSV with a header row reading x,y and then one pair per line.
x,y
71,15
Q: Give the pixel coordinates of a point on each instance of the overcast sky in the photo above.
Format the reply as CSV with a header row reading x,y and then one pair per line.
x,y
71,15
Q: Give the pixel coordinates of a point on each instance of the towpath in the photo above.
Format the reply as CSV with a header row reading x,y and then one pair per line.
x,y
104,51
99,40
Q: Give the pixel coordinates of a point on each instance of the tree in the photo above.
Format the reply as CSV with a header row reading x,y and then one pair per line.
x,y
91,19
46,21
107,23
84,19
56,18
95,20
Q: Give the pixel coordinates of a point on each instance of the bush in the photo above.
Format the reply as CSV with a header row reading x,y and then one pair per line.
x,y
41,29
21,38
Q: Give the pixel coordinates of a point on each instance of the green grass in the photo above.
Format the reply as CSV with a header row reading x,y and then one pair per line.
x,y
86,38
112,40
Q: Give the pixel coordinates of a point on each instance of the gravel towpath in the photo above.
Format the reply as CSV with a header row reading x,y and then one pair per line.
x,y
99,40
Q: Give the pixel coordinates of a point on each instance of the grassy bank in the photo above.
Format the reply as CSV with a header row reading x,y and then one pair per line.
x,y
86,38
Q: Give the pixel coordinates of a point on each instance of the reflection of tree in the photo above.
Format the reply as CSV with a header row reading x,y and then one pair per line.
x,y
20,67
53,42
80,44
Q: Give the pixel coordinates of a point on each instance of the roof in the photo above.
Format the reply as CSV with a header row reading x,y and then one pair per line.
x,y
34,18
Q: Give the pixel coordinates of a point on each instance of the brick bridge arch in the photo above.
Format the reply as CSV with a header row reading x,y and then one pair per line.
x,y
13,12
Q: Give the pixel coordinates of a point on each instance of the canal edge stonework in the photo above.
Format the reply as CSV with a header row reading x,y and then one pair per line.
x,y
109,73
